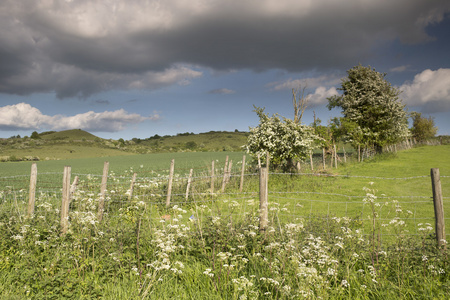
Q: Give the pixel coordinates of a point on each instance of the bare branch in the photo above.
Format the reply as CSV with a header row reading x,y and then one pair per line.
x,y
300,102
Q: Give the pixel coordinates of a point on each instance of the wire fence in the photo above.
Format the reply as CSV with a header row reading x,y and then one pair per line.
x,y
400,202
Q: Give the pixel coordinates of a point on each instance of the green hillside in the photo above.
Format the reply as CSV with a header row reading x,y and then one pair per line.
x,y
74,134
77,143
208,141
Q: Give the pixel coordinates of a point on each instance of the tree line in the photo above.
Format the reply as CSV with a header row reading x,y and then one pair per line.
x,y
373,116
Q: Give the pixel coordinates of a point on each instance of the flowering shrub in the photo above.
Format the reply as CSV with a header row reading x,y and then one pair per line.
x,y
283,139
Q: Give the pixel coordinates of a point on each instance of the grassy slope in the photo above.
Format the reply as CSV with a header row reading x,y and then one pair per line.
x,y
210,141
342,196
67,144
72,144
74,134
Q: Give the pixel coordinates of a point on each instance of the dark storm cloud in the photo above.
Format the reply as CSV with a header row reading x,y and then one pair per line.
x,y
79,48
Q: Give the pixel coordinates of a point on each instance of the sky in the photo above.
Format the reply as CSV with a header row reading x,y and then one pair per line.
x,y
132,69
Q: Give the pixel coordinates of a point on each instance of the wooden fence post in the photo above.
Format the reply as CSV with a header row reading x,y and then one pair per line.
x,y
323,159
133,182
359,153
438,206
169,187
101,203
32,192
230,164
225,169
212,177
189,183
74,186
345,156
241,185
263,199
311,160
65,200
335,156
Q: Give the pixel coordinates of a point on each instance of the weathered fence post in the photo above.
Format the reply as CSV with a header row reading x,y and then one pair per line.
x,y
335,156
241,184
323,159
225,169
133,182
101,203
65,200
169,187
212,177
311,160
74,186
32,192
359,153
230,164
263,198
345,156
438,206
189,183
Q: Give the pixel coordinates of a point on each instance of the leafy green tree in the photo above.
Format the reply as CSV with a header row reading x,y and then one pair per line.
x,y
373,113
285,140
423,128
35,135
191,145
323,132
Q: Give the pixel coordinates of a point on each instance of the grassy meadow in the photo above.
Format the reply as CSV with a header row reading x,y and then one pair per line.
x,y
361,231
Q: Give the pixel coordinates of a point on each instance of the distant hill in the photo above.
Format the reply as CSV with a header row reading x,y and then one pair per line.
x,y
207,141
71,135
78,143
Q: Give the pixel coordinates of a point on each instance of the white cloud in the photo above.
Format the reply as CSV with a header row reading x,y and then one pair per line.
x,y
320,95
24,116
156,116
311,82
429,89
399,69
223,91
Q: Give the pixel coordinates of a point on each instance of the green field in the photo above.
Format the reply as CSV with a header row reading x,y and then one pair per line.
x,y
323,240
142,163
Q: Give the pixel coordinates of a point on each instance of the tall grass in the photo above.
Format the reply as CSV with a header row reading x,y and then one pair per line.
x,y
317,245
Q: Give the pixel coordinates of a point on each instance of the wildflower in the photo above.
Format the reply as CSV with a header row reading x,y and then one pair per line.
x,y
17,237
331,271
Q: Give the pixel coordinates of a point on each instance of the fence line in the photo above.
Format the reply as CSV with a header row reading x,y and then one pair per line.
x,y
193,194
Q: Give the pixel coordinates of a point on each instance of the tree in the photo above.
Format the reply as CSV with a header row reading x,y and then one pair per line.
x,y
373,113
285,140
35,135
300,102
423,128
